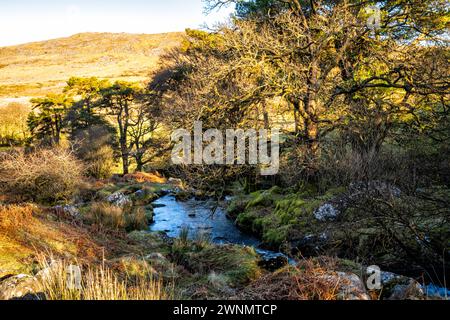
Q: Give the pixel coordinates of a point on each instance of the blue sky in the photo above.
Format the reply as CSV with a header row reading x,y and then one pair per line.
x,y
24,21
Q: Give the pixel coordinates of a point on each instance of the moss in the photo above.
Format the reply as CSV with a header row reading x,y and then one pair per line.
x,y
145,197
276,236
264,198
13,257
237,264
107,191
246,220
150,241
274,216
237,206
345,265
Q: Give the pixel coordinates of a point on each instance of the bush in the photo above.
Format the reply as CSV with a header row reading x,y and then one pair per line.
x,y
13,124
45,176
94,147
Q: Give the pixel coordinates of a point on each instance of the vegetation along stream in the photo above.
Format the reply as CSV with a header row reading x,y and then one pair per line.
x,y
203,217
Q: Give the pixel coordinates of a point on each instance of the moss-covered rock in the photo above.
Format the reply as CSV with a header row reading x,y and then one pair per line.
x,y
236,263
278,218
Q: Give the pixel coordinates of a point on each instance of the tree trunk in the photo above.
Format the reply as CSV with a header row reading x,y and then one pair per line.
x,y
139,163
125,162
311,111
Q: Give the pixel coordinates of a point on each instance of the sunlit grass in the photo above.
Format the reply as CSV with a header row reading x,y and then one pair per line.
x,y
96,283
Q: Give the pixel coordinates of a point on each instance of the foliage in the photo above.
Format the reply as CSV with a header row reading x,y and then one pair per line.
x,y
45,175
47,122
13,124
94,146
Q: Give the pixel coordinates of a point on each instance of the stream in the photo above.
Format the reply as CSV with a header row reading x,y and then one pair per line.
x,y
171,216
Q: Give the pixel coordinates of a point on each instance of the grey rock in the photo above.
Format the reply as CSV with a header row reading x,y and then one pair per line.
x,y
327,212
72,211
140,194
156,256
411,291
350,286
119,199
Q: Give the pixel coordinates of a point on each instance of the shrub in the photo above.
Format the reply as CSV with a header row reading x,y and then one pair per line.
x,y
94,147
13,124
45,175
238,264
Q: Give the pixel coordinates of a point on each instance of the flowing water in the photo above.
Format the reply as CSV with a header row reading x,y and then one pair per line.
x,y
201,217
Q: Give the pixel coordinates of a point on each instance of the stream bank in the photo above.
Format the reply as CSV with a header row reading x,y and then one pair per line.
x,y
208,219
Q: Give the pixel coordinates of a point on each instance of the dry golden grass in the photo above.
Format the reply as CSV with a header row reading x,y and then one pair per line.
x,y
105,216
308,281
24,229
141,177
27,229
96,283
35,69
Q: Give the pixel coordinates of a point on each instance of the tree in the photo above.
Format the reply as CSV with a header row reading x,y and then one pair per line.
x,y
118,101
13,124
145,121
331,66
47,124
82,114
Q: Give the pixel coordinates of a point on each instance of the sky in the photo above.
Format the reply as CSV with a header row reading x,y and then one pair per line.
x,y
23,21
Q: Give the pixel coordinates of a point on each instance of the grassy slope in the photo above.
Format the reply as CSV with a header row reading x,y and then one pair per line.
x,y
37,68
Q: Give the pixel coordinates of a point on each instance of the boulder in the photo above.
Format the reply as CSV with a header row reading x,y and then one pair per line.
x,y
327,212
144,197
352,287
68,210
19,287
119,199
309,245
410,291
349,286
397,287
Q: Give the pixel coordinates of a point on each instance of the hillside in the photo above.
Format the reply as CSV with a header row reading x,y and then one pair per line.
x,y
34,69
